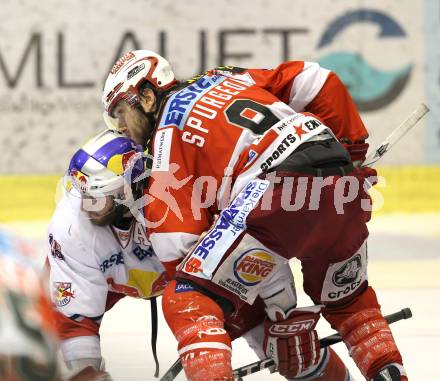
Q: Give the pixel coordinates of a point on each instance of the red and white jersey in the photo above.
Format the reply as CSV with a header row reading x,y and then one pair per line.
x,y
91,268
227,126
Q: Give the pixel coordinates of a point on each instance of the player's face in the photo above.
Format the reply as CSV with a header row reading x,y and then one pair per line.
x,y
101,211
132,122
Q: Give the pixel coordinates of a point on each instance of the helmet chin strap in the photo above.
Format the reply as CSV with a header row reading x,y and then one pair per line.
x,y
123,217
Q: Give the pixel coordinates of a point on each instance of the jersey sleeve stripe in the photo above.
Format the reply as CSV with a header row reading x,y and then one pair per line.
x,y
204,345
307,85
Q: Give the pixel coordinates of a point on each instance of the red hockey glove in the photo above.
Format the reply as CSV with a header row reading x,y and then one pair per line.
x,y
291,340
357,151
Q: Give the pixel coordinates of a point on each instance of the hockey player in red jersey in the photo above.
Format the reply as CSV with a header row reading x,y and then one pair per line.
x,y
233,150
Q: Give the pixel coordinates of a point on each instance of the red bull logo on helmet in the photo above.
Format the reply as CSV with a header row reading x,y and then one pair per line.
x,y
119,163
63,293
79,180
253,266
126,158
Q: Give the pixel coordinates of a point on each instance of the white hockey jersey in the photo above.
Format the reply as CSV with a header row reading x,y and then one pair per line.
x,y
91,268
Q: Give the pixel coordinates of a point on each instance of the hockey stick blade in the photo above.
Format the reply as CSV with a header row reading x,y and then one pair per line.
x,y
396,135
246,370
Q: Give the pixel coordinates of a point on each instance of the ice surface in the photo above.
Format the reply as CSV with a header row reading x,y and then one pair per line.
x,y
404,255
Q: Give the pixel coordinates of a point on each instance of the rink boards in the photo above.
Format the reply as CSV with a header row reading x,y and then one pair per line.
x,y
403,189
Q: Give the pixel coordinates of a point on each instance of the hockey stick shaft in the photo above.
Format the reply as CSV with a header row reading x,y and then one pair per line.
x,y
396,135
324,342
173,372
246,370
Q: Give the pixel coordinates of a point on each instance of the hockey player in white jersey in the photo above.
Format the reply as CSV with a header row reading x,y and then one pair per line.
x,y
98,252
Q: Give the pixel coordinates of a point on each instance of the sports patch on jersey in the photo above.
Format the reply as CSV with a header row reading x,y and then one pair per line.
x,y
183,287
63,293
246,268
252,155
162,145
182,102
121,235
343,278
253,266
291,132
295,131
208,253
